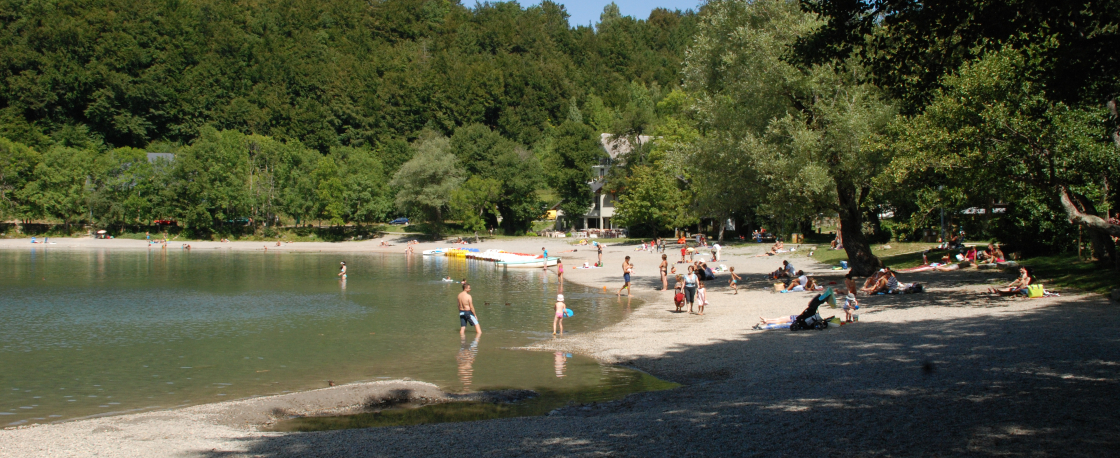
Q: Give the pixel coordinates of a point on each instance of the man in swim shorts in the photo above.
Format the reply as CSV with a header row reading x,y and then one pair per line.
x,y
627,268
466,311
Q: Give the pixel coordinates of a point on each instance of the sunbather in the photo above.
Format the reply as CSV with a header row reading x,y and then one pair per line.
x,y
778,246
1015,287
887,283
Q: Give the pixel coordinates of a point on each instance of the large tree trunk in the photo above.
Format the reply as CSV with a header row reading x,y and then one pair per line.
x,y
1100,230
860,259
722,226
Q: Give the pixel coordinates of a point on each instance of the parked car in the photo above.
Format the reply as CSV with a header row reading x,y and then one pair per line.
x,y
399,221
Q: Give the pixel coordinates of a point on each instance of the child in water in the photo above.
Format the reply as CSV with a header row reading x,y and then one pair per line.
x,y
559,320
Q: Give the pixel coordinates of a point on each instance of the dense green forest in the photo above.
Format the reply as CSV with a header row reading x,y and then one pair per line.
x,y
304,109
883,114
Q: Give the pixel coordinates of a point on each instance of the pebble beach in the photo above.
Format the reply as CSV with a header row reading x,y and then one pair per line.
x,y
950,371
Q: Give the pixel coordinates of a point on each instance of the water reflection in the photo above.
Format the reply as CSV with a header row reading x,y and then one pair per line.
x,y
559,361
467,354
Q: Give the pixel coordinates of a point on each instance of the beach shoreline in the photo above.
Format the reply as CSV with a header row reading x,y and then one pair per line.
x,y
900,375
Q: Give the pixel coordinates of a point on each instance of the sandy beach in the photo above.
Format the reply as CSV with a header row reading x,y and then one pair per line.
x,y
947,372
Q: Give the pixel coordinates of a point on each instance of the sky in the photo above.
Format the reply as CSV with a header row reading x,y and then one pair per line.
x,y
587,11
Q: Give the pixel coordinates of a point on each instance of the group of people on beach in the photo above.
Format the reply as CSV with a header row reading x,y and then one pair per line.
x,y
691,287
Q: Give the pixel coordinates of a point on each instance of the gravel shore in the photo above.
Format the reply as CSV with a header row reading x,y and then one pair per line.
x,y
947,372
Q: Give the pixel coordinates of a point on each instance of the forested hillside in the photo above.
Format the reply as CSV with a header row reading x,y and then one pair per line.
x,y
371,76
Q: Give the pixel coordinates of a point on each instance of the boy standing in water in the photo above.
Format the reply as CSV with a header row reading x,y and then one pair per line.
x,y
545,257
626,269
466,311
559,320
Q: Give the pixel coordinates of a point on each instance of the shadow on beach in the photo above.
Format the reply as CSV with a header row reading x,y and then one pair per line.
x,y
1041,382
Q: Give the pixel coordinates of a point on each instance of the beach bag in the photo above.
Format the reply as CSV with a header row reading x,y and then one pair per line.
x,y
678,298
1035,291
914,288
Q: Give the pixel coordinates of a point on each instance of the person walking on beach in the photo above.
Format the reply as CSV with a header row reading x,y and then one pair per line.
x,y
664,268
690,283
545,257
600,246
559,319
560,273
341,270
467,312
735,281
626,269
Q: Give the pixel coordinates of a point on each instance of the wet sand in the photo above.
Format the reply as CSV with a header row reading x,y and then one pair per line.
x,y
947,372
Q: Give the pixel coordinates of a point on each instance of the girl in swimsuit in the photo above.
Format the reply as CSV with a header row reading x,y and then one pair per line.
x,y
559,319
560,273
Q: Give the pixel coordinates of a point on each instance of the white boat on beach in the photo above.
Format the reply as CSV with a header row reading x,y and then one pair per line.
x,y
502,257
537,262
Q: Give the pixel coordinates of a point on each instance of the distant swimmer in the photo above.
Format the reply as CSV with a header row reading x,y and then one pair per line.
x,y
448,279
467,312
342,270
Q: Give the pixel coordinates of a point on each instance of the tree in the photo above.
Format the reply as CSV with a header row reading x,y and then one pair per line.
x,y
475,203
424,184
125,187
58,188
329,191
568,166
791,128
365,194
993,122
485,153
17,164
652,200
208,184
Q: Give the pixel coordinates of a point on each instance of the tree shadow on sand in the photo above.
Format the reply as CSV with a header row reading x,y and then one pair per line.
x,y
1041,382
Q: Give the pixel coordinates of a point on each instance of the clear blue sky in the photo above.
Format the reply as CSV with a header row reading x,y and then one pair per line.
x,y
587,11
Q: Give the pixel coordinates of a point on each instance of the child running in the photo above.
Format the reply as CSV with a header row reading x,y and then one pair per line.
x,y
559,320
735,281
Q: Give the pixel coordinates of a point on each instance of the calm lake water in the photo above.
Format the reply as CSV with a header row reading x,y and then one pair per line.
x,y
94,332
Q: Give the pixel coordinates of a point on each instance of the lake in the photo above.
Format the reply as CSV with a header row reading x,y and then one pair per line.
x,y
96,332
